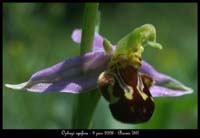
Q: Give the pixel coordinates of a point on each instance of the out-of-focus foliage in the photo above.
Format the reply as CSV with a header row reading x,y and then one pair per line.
x,y
36,36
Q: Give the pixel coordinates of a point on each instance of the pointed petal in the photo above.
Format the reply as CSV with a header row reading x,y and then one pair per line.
x,y
97,43
75,85
160,91
16,86
73,75
164,85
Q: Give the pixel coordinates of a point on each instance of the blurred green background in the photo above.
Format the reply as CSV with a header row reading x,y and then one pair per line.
x,y
36,36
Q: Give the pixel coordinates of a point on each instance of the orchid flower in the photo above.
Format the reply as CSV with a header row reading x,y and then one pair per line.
x,y
126,81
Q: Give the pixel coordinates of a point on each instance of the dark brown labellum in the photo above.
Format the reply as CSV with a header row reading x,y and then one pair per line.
x,y
127,92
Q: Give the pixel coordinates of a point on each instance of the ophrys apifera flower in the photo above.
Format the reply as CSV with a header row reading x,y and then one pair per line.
x,y
126,81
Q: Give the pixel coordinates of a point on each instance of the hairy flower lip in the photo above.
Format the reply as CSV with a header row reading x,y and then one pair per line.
x,y
80,74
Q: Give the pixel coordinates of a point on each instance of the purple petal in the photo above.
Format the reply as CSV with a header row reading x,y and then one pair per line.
x,y
164,85
97,43
160,91
76,35
73,75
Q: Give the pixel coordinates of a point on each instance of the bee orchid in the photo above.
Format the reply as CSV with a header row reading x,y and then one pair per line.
x,y
126,81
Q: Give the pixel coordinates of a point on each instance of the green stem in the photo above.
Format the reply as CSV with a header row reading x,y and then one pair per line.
x,y
86,103
89,22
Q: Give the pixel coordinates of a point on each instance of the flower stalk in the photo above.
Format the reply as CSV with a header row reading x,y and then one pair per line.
x,y
89,22
84,110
